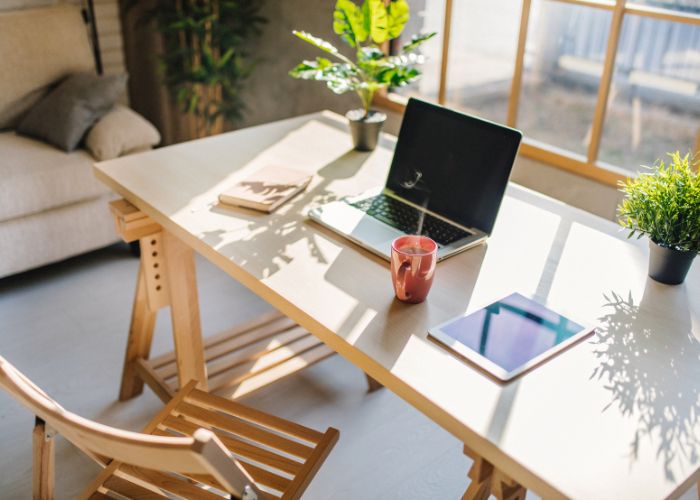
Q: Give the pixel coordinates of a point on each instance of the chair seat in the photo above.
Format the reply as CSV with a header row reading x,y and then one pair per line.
x,y
281,456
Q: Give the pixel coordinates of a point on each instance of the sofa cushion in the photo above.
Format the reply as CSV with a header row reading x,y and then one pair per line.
x,y
62,117
119,132
38,48
35,177
39,239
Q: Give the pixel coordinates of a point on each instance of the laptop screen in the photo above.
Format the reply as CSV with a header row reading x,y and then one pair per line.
x,y
453,164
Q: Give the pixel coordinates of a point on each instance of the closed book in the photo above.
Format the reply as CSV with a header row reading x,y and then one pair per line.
x,y
266,189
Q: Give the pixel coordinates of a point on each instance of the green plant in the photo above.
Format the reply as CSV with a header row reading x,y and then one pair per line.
x,y
204,61
365,28
664,204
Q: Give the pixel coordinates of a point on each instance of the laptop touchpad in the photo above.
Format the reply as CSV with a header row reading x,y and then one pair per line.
x,y
359,225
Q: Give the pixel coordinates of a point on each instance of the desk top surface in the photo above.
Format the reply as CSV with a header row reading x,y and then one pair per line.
x,y
616,416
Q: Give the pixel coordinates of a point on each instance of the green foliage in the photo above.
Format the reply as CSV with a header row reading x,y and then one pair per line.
x,y
364,28
205,62
349,23
664,204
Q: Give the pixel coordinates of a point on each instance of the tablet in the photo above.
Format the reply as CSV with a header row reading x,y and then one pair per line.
x,y
510,336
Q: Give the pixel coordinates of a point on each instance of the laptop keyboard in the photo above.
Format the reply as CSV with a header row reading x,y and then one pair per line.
x,y
408,219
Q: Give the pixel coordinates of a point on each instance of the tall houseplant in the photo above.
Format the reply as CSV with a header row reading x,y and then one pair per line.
x,y
664,204
367,29
204,61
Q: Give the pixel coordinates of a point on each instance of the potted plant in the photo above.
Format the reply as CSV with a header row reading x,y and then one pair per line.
x,y
206,56
664,204
368,29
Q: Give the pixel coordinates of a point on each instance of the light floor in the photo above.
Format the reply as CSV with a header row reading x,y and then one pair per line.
x,y
65,326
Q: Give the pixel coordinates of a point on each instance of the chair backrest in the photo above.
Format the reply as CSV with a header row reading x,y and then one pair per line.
x,y
202,454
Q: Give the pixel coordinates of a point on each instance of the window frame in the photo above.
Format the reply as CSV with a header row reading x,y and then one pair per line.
x,y
588,165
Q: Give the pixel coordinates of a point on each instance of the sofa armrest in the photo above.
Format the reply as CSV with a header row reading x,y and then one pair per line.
x,y
120,132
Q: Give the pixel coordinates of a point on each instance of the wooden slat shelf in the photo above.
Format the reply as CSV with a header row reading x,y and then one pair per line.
x,y
243,359
237,362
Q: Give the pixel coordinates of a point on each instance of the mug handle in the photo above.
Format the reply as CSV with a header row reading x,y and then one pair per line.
x,y
401,281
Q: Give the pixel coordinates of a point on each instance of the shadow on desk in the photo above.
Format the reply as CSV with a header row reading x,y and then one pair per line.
x,y
268,229
640,347
393,322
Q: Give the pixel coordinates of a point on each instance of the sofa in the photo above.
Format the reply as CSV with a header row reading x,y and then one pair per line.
x,y
51,206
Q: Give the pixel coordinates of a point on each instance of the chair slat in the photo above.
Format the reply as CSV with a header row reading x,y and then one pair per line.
x,y
172,484
238,447
267,478
201,398
244,430
314,462
260,476
130,489
205,479
98,495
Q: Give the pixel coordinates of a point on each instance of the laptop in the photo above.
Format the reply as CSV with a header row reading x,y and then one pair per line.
x,y
447,179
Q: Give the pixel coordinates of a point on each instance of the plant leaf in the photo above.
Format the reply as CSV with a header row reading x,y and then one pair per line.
x,y
416,41
376,20
348,22
369,54
223,61
398,14
664,204
316,41
339,77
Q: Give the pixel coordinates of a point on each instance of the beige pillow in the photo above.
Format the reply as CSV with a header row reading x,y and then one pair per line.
x,y
119,132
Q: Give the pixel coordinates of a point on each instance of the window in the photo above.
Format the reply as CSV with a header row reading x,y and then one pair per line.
x,y
598,87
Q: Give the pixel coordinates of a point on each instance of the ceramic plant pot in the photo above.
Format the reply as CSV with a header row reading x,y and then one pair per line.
x,y
365,128
668,265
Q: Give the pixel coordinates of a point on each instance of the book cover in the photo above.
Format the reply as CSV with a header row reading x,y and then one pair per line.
x,y
267,189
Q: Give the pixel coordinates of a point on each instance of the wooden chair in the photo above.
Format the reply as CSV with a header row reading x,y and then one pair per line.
x,y
198,446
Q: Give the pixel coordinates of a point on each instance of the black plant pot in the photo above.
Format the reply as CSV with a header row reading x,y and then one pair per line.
x,y
365,128
668,265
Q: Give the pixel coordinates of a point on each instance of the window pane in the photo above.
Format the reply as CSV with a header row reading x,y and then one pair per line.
x,y
564,58
680,6
426,16
484,40
654,105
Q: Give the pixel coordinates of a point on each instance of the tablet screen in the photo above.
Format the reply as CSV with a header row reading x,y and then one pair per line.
x,y
510,333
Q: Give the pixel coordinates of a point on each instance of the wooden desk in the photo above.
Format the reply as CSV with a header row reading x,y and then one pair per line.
x,y
617,416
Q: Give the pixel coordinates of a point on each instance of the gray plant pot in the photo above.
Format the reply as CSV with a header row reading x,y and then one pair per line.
x,y
365,129
668,265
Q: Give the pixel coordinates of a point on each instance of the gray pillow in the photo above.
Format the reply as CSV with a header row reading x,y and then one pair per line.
x,y
67,112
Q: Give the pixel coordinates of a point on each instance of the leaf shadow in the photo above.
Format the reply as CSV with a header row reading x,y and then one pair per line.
x,y
645,351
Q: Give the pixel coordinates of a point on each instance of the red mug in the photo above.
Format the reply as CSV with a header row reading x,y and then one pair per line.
x,y
413,260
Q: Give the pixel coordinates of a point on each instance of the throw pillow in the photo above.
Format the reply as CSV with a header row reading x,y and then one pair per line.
x,y
119,132
67,112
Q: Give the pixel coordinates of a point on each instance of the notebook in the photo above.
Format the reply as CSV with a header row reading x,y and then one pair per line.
x,y
266,189
510,336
